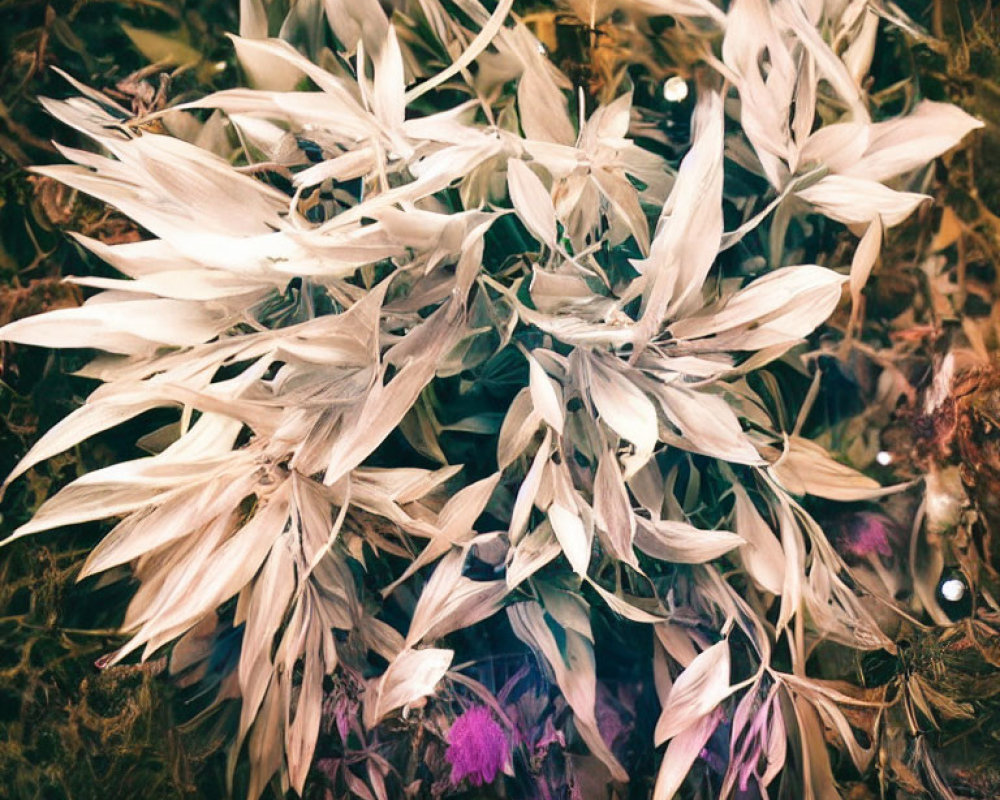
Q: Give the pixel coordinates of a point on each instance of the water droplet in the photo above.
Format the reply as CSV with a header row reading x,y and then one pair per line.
x,y
952,590
675,89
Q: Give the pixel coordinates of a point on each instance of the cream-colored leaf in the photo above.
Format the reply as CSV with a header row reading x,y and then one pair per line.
x,y
761,551
708,424
265,70
469,54
612,509
681,753
864,260
532,553
704,9
527,492
302,731
572,536
689,232
412,675
696,692
450,601
783,306
124,326
622,406
681,543
532,202
806,468
518,428
575,673
546,395
908,142
388,102
265,743
624,608
388,403
793,546
857,200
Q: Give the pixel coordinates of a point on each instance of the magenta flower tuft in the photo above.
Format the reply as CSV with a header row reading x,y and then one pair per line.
x,y
867,533
477,747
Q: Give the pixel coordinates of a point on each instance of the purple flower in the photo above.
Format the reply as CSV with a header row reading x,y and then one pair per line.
x,y
867,533
477,747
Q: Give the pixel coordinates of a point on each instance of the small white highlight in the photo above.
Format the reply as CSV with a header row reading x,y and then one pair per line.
x,y
884,458
952,590
220,65
675,89
541,48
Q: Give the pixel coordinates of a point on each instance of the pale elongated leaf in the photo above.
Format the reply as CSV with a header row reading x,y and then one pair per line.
x,y
119,325
389,102
806,468
681,8
572,534
859,53
837,146
271,593
546,396
689,232
708,424
857,200
353,20
265,70
253,19
575,674
818,774
481,41
623,407
518,428
532,202
612,509
761,551
830,698
681,543
264,747
624,198
828,65
777,746
180,515
454,526
123,488
795,565
624,608
532,553
765,99
863,262
187,596
528,491
413,674
906,143
450,601
681,753
387,404
780,307
302,732
696,692
96,416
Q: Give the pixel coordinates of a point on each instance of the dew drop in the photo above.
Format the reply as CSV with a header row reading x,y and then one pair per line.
x,y
675,89
952,590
